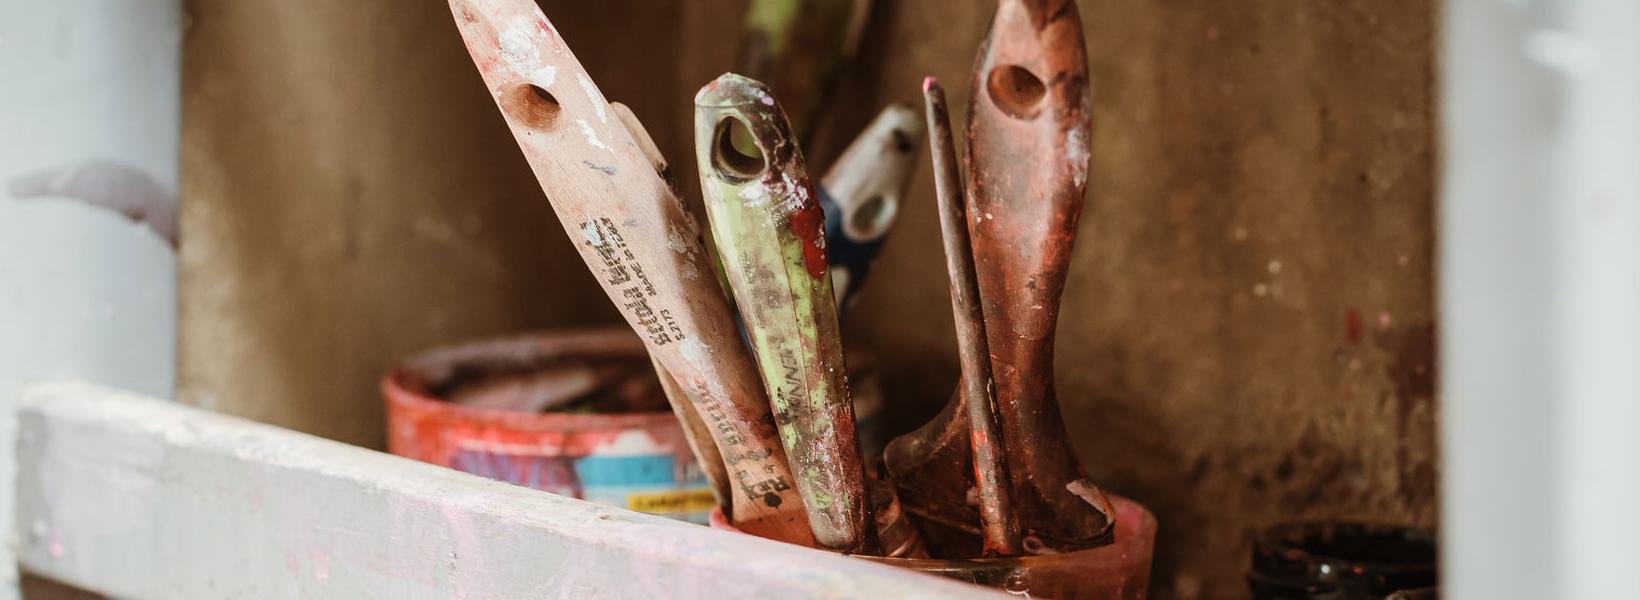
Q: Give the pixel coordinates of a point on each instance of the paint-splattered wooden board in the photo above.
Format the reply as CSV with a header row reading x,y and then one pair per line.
x,y
142,498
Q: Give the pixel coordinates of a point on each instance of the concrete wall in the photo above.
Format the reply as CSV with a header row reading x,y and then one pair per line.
x,y
1248,329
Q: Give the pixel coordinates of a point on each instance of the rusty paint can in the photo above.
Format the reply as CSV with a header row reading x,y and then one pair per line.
x,y
1119,570
576,413
1116,571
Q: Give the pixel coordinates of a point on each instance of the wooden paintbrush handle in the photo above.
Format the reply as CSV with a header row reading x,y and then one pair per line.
x,y
634,235
999,523
695,430
1027,154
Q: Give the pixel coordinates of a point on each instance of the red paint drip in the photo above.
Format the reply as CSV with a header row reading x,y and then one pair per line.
x,y
808,223
1352,326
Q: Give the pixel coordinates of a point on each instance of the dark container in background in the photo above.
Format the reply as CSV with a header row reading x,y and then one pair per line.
x,y
1342,560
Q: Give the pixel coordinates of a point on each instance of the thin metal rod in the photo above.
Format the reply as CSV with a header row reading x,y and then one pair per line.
x,y
999,523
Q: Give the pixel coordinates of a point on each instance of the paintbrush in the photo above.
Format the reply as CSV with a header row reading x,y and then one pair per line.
x,y
999,524
695,431
861,192
768,229
1027,156
798,47
634,234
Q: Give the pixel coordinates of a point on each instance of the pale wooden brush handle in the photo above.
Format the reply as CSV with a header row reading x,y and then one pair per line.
x,y
644,249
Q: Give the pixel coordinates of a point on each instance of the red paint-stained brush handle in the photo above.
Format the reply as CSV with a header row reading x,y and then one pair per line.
x,y
999,524
1027,156
632,231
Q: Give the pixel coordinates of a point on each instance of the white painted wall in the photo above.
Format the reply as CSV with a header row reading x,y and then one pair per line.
x,y
1540,299
89,105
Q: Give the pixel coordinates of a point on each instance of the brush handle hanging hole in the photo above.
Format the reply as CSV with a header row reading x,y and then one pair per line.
x,y
871,218
1016,91
531,106
902,141
735,153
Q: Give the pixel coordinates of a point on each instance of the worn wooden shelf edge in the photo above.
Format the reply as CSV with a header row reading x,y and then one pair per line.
x,y
138,497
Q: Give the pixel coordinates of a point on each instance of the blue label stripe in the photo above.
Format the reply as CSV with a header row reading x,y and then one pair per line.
x,y
602,471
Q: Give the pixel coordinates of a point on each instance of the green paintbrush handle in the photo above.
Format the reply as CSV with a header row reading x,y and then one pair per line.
x,y
768,227
798,47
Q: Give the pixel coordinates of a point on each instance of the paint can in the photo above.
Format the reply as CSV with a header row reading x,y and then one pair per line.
x,y
1116,571
576,413
1342,560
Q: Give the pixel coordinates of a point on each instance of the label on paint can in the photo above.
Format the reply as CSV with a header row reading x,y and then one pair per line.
x,y
648,483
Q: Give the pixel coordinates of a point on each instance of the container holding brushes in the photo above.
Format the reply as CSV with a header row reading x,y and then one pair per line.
x,y
990,492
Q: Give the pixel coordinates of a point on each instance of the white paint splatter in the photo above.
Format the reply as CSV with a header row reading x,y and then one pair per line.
x,y
699,356
592,135
796,194
522,54
1077,151
754,196
630,443
676,242
598,101
592,234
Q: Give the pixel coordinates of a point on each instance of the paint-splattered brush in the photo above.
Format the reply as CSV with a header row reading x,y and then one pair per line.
x,y
768,229
1027,156
861,194
695,430
999,524
632,231
798,47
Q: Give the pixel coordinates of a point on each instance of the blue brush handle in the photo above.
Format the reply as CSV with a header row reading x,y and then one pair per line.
x,y
850,259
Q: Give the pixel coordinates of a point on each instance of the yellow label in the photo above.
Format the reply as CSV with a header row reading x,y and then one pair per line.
x,y
660,503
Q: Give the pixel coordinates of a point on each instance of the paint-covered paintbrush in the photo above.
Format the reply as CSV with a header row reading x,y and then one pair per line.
x,y
695,431
634,234
861,193
768,229
1027,156
998,523
798,48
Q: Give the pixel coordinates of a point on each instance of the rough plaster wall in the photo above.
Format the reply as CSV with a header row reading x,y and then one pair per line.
x,y
1247,333
352,196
